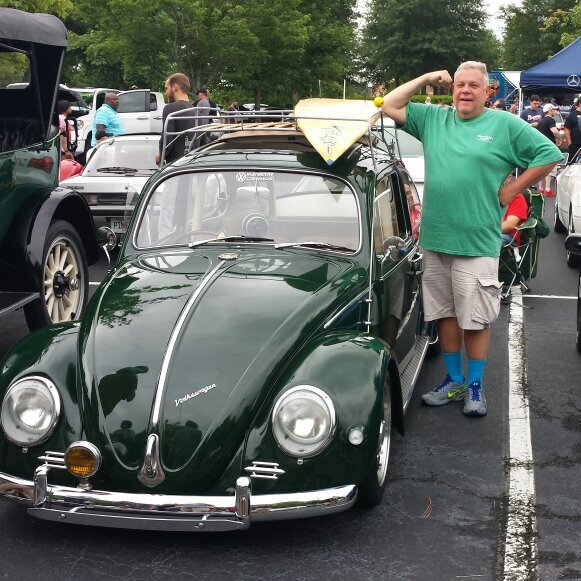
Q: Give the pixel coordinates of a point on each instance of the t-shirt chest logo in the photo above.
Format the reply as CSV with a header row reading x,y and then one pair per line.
x,y
485,138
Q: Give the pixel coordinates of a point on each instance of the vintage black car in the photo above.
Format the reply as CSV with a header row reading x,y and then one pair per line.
x,y
247,358
47,234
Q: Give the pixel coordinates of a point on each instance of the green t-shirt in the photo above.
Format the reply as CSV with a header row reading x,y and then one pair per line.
x,y
466,163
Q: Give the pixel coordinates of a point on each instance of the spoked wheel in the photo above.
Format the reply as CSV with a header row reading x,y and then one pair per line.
x,y
372,488
573,260
65,278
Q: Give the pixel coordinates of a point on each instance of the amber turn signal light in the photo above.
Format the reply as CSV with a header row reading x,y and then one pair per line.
x,y
82,459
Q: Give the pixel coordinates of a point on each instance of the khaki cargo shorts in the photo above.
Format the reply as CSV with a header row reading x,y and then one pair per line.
x,y
465,288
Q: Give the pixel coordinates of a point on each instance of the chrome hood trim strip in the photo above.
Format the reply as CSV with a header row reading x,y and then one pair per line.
x,y
158,511
167,357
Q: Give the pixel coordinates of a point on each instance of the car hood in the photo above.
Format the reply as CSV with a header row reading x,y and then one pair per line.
x,y
244,317
118,183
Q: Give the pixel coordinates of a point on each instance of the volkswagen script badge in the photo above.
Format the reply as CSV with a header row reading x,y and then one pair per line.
x,y
228,256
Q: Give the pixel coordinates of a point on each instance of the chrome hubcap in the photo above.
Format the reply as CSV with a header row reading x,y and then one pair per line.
x,y
62,289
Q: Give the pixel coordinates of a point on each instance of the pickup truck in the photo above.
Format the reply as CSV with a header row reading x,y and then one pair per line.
x,y
140,109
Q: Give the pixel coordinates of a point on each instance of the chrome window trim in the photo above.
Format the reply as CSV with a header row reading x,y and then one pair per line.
x,y
189,170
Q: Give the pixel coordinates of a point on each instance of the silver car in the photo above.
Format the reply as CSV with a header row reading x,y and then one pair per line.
x,y
116,167
567,217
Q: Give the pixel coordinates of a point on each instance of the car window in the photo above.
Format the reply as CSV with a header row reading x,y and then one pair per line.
x,y
116,155
14,68
285,207
414,205
100,99
152,102
385,222
133,102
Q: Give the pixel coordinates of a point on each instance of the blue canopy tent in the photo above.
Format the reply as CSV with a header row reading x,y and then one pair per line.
x,y
560,73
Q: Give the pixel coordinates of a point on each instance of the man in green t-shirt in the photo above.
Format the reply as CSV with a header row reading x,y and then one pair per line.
x,y
469,152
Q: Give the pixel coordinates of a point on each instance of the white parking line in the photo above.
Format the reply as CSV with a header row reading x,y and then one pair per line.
x,y
549,297
520,557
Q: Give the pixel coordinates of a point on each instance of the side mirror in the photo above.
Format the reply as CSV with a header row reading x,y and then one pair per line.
x,y
106,238
573,243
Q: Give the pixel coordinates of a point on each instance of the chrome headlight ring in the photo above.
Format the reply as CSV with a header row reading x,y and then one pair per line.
x,y
303,421
30,410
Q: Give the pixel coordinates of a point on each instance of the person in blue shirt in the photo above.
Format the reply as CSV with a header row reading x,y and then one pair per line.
x,y
107,121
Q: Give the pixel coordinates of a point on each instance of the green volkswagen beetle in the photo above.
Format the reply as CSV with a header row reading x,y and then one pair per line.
x,y
247,357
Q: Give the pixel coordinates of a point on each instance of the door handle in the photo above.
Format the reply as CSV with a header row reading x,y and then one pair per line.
x,y
141,118
157,117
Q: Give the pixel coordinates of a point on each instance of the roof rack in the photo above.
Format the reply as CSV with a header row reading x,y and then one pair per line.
x,y
208,124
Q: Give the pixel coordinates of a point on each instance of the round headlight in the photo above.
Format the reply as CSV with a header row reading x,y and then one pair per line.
x,y
30,411
303,421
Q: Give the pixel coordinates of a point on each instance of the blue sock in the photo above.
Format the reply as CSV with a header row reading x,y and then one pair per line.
x,y
475,370
453,362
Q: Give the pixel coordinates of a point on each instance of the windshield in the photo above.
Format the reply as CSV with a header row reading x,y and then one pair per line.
x,y
251,206
123,156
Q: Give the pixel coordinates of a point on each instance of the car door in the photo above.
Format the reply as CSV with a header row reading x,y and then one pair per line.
x,y
395,296
134,110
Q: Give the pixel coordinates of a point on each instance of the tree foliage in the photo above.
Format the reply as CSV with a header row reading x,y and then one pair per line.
x,y
403,39
537,30
257,50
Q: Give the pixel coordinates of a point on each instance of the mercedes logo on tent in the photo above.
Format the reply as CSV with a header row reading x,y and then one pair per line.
x,y
573,80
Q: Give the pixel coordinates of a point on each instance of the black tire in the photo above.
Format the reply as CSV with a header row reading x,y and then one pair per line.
x,y
573,260
372,488
558,226
60,301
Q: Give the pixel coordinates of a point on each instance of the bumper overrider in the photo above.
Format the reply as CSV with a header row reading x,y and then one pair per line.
x,y
169,512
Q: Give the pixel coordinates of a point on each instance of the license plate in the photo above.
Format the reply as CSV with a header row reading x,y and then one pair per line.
x,y
118,225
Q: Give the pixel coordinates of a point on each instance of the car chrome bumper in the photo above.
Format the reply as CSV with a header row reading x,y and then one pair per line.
x,y
169,512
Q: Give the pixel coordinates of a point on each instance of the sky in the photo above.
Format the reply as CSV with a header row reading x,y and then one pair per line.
x,y
492,7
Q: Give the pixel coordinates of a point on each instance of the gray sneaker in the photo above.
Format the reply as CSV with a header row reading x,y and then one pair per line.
x,y
474,400
446,392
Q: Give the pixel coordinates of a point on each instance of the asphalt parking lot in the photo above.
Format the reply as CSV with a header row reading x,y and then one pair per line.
x,y
458,505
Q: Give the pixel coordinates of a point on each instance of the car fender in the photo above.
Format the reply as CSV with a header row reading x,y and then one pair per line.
x,y
49,352
351,368
28,233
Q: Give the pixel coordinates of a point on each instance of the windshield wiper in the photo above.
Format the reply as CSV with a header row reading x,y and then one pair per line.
x,y
314,245
118,169
230,239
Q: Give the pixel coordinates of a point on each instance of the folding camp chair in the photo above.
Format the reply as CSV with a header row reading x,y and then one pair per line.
x,y
518,262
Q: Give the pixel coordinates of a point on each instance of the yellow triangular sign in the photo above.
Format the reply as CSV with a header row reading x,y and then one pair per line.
x,y
334,125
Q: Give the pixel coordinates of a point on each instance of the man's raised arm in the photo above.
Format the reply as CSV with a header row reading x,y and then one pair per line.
x,y
394,103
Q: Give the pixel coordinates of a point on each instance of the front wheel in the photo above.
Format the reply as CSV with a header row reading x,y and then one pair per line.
x,y
64,287
372,488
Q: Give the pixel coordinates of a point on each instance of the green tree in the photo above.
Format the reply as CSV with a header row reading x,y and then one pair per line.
x,y
59,8
533,33
405,39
